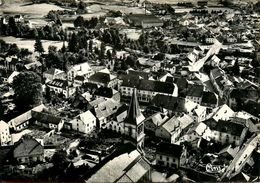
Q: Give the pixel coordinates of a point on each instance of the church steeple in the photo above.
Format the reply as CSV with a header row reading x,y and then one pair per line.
x,y
134,123
134,115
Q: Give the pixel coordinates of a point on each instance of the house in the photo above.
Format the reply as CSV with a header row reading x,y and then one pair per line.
x,y
47,120
153,122
166,130
239,96
82,69
127,167
53,73
144,20
79,81
21,122
18,18
209,100
168,67
28,150
168,105
117,122
104,79
61,87
168,155
220,81
114,21
226,132
223,112
172,129
84,123
194,93
147,89
5,137
104,110
107,93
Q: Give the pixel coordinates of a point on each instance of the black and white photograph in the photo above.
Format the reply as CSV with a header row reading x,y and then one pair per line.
x,y
129,91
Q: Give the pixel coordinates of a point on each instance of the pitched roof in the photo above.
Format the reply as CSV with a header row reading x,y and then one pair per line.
x,y
105,92
144,75
87,117
209,98
158,119
134,115
101,77
169,102
156,86
53,71
173,150
225,127
124,168
46,118
27,146
195,90
58,83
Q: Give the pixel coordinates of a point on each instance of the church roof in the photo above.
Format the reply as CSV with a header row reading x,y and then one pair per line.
x,y
134,115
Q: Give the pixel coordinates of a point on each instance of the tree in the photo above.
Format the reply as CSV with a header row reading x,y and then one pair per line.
x,y
102,50
79,22
38,46
24,52
73,43
13,50
27,90
90,45
109,55
236,69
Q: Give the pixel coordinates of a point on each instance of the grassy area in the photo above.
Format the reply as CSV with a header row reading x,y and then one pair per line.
x,y
29,43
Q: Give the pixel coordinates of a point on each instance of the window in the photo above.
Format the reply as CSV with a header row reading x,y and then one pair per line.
x,y
167,158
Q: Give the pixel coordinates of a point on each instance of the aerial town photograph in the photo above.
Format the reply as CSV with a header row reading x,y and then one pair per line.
x,y
147,91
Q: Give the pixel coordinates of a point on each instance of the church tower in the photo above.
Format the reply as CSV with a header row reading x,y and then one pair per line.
x,y
134,123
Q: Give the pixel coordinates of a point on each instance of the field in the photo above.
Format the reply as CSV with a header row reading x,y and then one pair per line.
x,y
29,44
29,9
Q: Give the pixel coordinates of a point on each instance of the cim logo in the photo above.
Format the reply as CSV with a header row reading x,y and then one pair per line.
x,y
214,168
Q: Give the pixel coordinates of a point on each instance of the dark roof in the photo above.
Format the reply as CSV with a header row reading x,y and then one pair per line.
x,y
79,78
244,93
45,118
157,86
89,86
100,77
134,110
58,83
144,75
209,98
104,92
169,102
148,85
225,127
181,82
169,149
169,79
27,146
121,109
131,81
195,90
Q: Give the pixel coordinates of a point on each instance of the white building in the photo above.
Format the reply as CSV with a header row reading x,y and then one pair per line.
x,y
5,137
84,123
82,69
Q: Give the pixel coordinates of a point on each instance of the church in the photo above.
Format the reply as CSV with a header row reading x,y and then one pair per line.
x,y
130,123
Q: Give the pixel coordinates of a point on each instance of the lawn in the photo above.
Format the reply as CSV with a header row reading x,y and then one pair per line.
x,y
29,9
29,43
